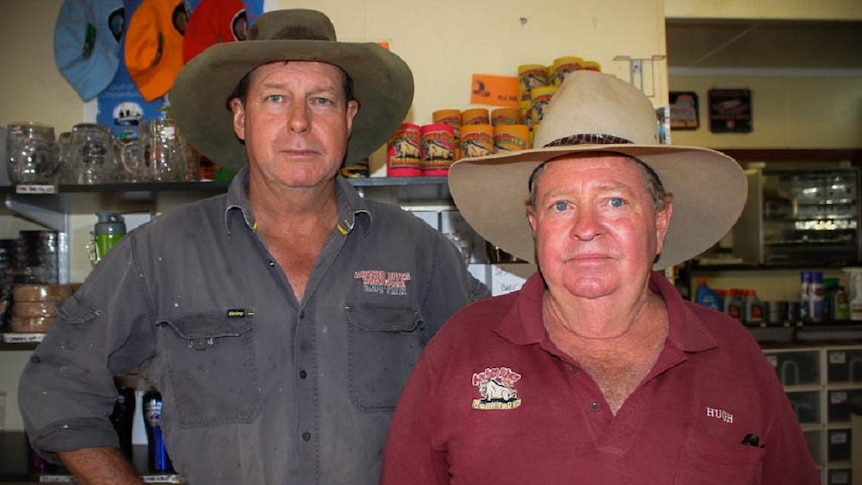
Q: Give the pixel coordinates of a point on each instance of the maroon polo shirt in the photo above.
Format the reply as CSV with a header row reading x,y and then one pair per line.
x,y
493,400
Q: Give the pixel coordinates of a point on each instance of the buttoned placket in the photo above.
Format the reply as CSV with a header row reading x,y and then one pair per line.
x,y
305,378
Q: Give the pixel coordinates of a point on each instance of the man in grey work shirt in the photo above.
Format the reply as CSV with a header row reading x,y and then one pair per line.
x,y
280,320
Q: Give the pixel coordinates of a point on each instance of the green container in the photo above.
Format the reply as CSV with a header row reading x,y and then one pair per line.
x,y
110,228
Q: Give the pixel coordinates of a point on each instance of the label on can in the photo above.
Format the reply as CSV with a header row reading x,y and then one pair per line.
x,y
403,152
438,148
477,140
511,137
531,76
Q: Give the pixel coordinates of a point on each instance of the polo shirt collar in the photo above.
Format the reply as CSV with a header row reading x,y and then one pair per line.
x,y
523,325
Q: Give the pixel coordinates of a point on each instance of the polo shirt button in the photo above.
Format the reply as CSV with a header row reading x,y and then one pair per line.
x,y
272,264
302,314
595,406
303,374
306,436
571,368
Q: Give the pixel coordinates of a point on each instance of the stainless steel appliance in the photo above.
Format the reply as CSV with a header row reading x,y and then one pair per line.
x,y
798,216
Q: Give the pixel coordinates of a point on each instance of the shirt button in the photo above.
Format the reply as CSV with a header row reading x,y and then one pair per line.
x,y
595,406
303,374
571,368
35,359
302,314
306,436
272,264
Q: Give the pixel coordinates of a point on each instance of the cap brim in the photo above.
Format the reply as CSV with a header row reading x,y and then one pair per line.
x,y
382,83
709,192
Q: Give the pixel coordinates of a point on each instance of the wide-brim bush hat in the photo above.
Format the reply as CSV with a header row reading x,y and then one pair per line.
x,y
596,112
382,83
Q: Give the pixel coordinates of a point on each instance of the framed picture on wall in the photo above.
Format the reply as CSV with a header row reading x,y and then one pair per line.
x,y
684,114
730,110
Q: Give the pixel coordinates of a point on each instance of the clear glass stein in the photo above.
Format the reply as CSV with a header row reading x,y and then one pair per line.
x,y
33,153
163,150
91,154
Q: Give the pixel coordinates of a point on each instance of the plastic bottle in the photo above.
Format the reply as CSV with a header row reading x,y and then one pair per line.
x,y
705,296
816,297
855,285
721,294
804,296
754,308
735,304
840,304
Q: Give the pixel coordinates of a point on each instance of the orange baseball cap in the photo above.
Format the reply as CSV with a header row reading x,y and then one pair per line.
x,y
154,46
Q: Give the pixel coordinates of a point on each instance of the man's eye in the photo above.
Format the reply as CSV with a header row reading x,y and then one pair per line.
x,y
561,205
617,202
322,101
275,98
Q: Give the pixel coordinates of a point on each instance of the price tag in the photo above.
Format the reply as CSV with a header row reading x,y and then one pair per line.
x,y
35,189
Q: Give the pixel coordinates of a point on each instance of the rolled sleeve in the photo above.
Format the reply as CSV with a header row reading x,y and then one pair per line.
x,y
67,389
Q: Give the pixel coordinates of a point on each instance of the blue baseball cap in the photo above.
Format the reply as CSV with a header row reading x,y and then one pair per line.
x,y
87,44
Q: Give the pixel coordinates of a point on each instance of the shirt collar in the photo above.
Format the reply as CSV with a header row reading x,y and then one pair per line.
x,y
351,207
523,325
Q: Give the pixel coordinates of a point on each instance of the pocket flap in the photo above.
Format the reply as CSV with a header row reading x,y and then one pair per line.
x,y
377,318
203,327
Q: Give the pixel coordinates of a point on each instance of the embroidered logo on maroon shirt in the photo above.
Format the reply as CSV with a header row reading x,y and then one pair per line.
x,y
496,388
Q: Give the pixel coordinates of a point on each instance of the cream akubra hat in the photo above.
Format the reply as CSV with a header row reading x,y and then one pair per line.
x,y
596,112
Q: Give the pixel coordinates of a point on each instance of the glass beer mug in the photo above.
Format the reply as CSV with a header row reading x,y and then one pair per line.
x,y
91,154
162,150
33,153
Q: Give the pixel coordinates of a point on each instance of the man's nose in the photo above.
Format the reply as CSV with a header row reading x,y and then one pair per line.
x,y
299,118
586,224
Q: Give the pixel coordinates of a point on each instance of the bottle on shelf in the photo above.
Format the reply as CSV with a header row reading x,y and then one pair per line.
x,y
754,307
804,296
815,312
855,285
705,296
735,304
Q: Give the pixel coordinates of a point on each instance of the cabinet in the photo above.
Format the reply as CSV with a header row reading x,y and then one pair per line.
x,y
820,381
798,216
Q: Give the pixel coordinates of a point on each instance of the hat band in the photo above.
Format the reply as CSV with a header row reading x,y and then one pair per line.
x,y
588,139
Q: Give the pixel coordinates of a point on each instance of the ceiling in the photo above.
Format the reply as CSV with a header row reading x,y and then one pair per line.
x,y
806,47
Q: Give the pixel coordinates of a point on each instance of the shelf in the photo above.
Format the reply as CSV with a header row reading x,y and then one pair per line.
x,y
215,186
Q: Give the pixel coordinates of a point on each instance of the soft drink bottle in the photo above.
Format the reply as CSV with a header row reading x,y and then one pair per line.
x,y
158,454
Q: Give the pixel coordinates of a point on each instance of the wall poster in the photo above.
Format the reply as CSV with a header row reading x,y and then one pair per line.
x,y
684,114
730,110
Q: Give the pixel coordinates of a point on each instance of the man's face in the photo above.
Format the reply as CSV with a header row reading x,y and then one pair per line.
x,y
596,230
295,122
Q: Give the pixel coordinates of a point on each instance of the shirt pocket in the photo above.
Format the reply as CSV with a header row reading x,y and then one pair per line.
x,y
76,316
711,460
211,369
384,343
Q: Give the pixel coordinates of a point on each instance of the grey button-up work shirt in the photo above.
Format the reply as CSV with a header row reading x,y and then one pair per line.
x,y
258,388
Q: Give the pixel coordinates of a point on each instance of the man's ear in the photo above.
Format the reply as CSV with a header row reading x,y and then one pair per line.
x,y
238,110
352,109
662,223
